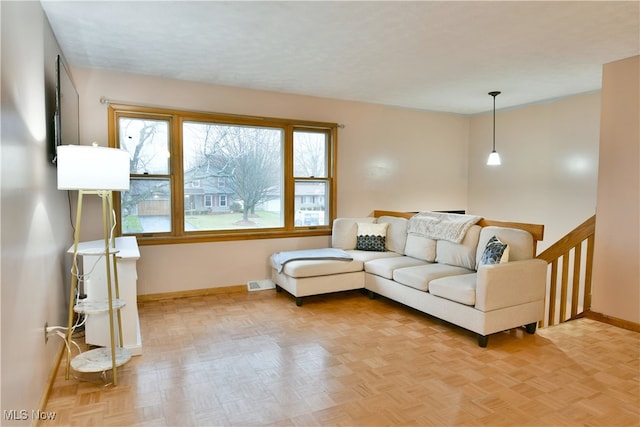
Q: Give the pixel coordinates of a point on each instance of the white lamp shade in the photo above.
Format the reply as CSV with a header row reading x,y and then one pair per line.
x,y
494,159
83,167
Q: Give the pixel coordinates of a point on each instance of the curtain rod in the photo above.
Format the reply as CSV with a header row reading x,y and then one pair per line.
x,y
106,101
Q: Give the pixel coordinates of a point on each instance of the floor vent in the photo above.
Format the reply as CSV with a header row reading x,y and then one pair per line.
x,y
259,285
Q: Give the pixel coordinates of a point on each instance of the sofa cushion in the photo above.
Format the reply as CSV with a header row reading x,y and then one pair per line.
x,y
366,256
345,230
418,277
420,247
396,233
385,267
311,268
520,242
461,254
495,252
460,288
371,237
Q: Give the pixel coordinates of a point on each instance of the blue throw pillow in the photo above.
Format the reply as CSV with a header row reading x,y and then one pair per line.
x,y
495,252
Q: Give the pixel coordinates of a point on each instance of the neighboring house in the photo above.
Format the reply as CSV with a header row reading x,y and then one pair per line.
x,y
206,190
310,204
310,197
158,206
147,198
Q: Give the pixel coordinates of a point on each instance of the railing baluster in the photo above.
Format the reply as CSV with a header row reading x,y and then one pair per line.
x,y
552,292
588,273
563,286
575,287
561,250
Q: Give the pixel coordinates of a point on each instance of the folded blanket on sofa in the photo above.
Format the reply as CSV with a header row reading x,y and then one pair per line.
x,y
281,258
442,226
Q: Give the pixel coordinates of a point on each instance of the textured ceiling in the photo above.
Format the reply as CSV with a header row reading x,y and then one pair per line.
x,y
425,55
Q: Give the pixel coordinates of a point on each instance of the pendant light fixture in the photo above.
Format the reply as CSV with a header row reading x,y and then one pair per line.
x,y
494,157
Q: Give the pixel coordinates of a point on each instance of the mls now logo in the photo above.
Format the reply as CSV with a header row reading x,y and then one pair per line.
x,y
23,415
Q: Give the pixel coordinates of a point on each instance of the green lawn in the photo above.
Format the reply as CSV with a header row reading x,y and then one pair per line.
x,y
131,224
233,221
227,221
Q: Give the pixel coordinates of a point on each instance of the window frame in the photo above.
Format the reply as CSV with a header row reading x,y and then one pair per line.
x,y
176,119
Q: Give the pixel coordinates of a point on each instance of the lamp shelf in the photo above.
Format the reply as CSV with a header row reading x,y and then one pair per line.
x,y
99,359
96,307
85,248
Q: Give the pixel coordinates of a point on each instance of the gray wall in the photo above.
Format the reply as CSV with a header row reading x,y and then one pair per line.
x,y
35,215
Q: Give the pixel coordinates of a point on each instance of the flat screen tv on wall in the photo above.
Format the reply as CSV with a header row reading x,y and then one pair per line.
x,y
66,118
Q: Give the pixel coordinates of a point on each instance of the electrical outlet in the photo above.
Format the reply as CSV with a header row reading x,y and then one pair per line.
x,y
46,335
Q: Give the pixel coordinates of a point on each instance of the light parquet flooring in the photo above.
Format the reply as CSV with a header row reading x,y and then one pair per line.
x,y
254,358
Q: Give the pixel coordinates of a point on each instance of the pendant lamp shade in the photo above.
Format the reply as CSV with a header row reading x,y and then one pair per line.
x,y
494,157
83,167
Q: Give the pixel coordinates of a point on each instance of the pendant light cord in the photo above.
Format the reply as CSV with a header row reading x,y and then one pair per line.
x,y
494,123
494,94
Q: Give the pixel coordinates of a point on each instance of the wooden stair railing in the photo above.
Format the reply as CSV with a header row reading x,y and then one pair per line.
x,y
572,272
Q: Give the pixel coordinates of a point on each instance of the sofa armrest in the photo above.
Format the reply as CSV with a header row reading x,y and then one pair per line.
x,y
511,283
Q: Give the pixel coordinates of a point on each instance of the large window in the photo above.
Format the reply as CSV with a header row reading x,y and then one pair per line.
x,y
197,176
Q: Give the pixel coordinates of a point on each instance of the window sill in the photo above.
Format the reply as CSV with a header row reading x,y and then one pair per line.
x,y
254,235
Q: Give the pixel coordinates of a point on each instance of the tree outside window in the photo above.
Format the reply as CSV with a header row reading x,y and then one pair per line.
x,y
248,160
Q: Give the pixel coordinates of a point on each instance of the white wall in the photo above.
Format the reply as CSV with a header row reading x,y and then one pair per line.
x,y
35,225
388,158
616,270
549,165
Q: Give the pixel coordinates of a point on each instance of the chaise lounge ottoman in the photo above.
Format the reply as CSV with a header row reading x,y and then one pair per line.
x,y
321,271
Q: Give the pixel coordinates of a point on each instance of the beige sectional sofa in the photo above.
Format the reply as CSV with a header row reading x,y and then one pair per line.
x,y
455,281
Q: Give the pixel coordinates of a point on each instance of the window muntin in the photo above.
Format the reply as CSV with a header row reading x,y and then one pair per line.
x,y
162,190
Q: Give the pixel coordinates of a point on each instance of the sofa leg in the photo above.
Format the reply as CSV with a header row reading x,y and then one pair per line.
x,y
278,288
372,295
299,301
531,328
483,340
